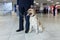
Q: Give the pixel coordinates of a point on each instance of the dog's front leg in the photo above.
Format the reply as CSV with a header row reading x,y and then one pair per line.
x,y
36,28
30,29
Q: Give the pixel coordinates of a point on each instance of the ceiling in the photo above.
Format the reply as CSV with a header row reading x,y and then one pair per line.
x,y
39,1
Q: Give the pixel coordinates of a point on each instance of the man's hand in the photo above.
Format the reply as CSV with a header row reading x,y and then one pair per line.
x,y
17,6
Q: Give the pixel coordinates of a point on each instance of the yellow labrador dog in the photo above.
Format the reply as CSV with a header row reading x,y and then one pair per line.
x,y
34,21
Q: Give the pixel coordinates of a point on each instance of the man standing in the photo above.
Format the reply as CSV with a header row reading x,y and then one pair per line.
x,y
24,5
54,9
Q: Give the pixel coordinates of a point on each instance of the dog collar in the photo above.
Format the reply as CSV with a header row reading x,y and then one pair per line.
x,y
33,15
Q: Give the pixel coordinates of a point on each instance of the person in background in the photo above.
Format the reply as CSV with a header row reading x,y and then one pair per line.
x,y
41,8
54,8
15,7
17,10
48,9
24,5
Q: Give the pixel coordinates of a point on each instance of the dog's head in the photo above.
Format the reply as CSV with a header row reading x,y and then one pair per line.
x,y
31,12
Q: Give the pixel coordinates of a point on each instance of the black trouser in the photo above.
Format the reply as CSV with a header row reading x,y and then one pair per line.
x,y
22,13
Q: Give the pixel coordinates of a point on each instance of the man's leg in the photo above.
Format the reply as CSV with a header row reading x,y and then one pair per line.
x,y
21,20
20,24
27,19
27,24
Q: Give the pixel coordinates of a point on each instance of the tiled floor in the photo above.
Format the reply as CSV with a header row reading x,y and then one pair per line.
x,y
9,25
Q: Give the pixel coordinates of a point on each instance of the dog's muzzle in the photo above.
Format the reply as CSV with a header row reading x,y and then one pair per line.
x,y
30,13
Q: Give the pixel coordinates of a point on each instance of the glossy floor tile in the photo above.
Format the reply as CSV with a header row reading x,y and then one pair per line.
x,y
9,24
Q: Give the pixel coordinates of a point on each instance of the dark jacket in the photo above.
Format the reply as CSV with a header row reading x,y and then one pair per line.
x,y
24,2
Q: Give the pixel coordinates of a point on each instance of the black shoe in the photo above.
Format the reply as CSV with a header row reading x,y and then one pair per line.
x,y
26,31
19,30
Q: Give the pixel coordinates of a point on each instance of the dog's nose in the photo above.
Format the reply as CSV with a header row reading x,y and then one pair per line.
x,y
30,13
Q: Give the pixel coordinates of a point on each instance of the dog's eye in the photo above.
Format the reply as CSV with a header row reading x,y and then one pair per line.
x,y
30,13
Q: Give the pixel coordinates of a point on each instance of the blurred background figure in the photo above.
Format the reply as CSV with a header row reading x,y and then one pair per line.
x,y
45,10
41,8
17,12
54,10
48,9
15,8
37,8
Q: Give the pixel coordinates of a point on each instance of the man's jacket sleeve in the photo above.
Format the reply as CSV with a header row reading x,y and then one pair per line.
x,y
32,2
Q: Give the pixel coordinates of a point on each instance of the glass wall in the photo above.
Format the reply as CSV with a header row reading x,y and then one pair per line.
x,y
5,7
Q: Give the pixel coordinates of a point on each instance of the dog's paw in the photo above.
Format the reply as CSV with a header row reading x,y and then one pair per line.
x,y
30,31
41,29
37,32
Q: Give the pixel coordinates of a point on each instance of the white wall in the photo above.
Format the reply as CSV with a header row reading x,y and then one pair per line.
x,y
5,8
